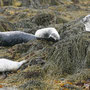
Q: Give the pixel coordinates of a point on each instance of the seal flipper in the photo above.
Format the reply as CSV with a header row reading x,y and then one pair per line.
x,y
4,75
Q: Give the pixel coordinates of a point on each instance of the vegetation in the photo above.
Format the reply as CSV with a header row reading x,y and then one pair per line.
x,y
52,66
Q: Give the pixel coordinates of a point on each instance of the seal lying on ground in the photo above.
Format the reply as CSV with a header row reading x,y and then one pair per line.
x,y
86,21
48,33
11,38
7,65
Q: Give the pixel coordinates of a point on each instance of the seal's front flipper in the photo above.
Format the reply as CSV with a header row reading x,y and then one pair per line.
x,y
4,75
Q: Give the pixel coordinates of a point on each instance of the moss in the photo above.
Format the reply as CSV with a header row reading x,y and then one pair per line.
x,y
60,20
7,2
75,1
34,72
67,57
6,26
1,3
87,58
17,3
33,84
44,19
54,2
80,76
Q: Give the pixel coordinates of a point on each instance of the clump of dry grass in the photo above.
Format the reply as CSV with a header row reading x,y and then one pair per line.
x,y
43,19
17,3
32,74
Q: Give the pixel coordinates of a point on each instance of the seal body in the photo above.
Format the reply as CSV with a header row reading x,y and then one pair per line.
x,y
9,65
48,33
14,37
86,22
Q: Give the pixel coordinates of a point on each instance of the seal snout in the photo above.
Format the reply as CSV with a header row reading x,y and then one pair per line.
x,y
84,20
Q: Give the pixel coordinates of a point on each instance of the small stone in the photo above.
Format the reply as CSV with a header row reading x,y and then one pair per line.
x,y
62,79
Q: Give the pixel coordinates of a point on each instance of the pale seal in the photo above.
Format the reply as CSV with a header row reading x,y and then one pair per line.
x,y
9,65
86,22
48,33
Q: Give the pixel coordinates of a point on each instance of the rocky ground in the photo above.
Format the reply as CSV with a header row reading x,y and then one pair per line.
x,y
64,65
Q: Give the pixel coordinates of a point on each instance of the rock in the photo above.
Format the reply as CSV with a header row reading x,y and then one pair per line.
x,y
37,61
62,79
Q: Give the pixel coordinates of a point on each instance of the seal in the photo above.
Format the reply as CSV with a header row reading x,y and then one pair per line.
x,y
86,22
11,38
48,34
7,65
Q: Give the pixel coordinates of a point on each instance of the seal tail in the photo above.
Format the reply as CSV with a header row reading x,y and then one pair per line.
x,y
23,62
